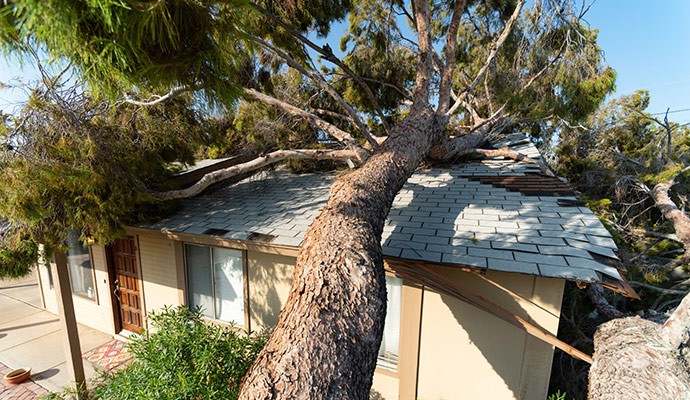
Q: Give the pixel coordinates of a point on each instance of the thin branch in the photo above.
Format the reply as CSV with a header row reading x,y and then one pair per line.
x,y
260,162
323,84
333,114
328,55
332,130
156,99
451,45
494,50
657,289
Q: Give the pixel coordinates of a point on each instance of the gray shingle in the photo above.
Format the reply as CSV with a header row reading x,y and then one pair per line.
x,y
430,239
391,251
419,231
514,246
602,241
464,260
287,241
446,249
563,251
412,254
488,253
540,259
471,243
604,251
541,240
556,271
593,265
406,244
513,266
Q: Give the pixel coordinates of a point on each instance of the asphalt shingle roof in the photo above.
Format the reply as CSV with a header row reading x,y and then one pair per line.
x,y
439,216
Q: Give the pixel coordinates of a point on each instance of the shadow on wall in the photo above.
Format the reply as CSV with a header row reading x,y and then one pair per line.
x,y
270,278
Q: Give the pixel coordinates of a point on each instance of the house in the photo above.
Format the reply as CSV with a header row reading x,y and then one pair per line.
x,y
477,257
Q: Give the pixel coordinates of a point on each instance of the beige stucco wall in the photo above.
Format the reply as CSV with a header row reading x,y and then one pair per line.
x,y
270,277
159,272
97,312
467,353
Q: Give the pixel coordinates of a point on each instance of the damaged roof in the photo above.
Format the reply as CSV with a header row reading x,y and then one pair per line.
x,y
493,214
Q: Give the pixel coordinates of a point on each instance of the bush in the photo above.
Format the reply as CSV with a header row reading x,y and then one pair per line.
x,y
184,357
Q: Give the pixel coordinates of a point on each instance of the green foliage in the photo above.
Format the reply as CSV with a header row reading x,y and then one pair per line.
x,y
183,357
80,164
557,396
18,254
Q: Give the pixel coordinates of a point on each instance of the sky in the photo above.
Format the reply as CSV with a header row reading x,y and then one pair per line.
x,y
646,42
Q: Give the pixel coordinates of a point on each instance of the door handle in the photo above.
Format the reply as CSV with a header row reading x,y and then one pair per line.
x,y
117,289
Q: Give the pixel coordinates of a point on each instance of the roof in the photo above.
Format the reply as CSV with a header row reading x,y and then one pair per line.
x,y
494,214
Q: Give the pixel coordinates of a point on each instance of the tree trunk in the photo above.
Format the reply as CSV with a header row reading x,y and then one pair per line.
x,y
327,338
633,361
671,212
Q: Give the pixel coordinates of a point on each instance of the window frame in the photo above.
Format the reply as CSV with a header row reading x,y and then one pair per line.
x,y
245,284
92,269
383,365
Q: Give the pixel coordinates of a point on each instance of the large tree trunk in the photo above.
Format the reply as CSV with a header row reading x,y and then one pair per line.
x,y
327,338
636,359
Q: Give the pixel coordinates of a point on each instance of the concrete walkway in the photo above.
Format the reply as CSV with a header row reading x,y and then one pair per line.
x,y
31,337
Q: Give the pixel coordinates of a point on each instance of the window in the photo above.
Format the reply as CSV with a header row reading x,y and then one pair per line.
x,y
215,282
388,352
80,269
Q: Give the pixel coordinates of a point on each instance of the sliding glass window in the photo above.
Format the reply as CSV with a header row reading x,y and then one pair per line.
x,y
215,282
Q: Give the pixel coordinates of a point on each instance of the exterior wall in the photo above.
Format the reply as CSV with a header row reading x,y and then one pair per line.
x,y
270,277
159,272
484,356
95,313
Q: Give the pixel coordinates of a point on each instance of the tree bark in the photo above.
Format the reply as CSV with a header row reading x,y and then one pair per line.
x,y
259,162
671,212
329,331
633,361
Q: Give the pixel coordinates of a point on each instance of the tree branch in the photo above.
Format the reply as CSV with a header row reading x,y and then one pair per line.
x,y
332,130
671,212
323,84
451,45
333,114
155,99
328,55
426,50
260,162
494,50
658,289
676,329
514,155
602,305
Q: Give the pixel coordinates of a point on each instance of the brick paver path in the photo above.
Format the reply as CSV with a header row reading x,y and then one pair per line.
x,y
24,391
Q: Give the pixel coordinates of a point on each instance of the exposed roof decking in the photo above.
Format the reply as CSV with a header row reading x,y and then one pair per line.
x,y
440,216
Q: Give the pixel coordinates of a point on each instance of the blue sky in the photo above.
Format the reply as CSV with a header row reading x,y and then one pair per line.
x,y
646,42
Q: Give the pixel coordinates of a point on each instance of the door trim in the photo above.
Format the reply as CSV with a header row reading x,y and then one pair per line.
x,y
112,275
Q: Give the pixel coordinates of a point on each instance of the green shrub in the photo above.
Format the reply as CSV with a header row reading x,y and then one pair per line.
x,y
184,357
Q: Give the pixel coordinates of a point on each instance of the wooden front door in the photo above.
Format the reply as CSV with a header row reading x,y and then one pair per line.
x,y
125,284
